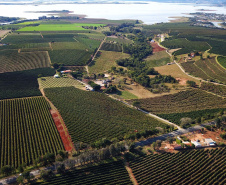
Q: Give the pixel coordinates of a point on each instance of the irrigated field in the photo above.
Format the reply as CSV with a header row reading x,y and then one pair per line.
x,y
190,167
49,82
27,131
11,60
207,69
110,173
59,27
105,61
184,101
22,83
90,116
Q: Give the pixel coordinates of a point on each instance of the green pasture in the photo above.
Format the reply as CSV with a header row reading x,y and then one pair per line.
x,y
58,27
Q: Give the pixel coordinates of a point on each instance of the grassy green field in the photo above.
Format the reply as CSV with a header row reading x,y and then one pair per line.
x,y
105,61
90,116
49,82
158,59
58,27
125,95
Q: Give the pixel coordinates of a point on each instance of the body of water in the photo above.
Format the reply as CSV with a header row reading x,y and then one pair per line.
x,y
150,13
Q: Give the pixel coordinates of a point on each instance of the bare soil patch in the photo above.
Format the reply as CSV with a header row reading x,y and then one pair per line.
x,y
3,32
156,47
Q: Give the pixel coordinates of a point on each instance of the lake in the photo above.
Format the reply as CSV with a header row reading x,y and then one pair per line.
x,y
150,13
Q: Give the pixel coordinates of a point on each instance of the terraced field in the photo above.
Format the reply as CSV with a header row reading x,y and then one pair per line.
x,y
11,60
184,101
90,116
189,167
207,69
49,82
27,131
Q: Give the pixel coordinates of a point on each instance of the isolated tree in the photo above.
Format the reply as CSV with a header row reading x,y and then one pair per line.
x,y
20,179
61,169
47,175
136,104
154,145
186,122
113,150
21,169
158,143
170,140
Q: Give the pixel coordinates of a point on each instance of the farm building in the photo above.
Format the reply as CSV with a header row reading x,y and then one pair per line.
x,y
177,147
197,144
89,88
56,76
210,142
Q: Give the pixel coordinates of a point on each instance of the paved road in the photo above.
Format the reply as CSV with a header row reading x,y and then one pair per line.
x,y
172,134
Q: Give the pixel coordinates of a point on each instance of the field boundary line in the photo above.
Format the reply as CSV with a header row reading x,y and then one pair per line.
x,y
130,172
148,113
48,57
219,63
60,119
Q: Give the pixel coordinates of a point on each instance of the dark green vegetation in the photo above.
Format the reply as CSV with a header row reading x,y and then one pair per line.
x,y
214,37
11,60
110,173
222,61
8,19
197,116
186,45
216,89
27,131
189,167
207,69
91,116
184,101
22,83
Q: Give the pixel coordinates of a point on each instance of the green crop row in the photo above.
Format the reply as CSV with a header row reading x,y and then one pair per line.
x,y
27,131
90,116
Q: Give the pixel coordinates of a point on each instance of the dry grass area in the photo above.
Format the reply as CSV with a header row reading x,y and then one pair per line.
x,y
3,32
176,72
138,91
105,61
